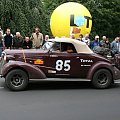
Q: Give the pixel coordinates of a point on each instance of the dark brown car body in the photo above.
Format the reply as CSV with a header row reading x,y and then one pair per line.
x,y
79,67
44,64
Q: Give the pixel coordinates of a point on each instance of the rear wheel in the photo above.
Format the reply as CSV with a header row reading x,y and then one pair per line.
x,y
16,80
102,79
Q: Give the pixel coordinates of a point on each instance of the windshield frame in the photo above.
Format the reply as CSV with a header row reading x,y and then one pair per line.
x,y
52,46
45,48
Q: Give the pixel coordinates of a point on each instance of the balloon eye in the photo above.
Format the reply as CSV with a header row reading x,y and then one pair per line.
x,y
80,21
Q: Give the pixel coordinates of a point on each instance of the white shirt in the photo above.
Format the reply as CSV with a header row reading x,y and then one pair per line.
x,y
87,41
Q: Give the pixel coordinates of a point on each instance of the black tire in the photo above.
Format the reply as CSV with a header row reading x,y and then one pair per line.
x,y
16,80
102,79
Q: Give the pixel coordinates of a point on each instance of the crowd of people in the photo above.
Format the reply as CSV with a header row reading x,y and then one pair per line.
x,y
36,40
8,41
101,45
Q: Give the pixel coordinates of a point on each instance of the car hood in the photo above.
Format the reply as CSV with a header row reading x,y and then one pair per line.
x,y
26,51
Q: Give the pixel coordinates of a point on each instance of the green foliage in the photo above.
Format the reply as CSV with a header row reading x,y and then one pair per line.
x,y
105,15
25,15
22,15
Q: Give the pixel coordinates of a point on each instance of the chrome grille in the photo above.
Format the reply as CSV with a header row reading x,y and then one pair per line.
x,y
2,61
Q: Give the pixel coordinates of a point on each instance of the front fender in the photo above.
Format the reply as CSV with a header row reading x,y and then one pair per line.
x,y
100,65
32,71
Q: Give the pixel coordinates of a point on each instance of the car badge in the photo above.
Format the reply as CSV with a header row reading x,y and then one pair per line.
x,y
38,62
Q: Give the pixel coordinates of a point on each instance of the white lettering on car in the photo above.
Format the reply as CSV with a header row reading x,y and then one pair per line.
x,y
63,65
88,61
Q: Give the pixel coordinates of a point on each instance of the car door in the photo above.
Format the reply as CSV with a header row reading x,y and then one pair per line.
x,y
70,65
85,63
63,65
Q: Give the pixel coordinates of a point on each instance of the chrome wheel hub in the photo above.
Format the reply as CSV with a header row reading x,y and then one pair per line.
x,y
17,80
102,79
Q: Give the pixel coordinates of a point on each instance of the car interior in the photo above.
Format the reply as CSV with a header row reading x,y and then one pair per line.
x,y
63,47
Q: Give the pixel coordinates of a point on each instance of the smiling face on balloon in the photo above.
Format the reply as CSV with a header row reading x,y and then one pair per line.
x,y
70,18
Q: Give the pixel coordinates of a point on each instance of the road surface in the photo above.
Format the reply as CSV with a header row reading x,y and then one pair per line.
x,y
60,101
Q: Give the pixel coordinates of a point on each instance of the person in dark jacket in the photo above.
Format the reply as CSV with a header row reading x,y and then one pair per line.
x,y
27,43
115,45
106,44
80,37
1,42
8,37
17,41
96,42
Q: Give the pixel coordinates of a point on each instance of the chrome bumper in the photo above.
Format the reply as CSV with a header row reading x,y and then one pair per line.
x,y
2,63
117,81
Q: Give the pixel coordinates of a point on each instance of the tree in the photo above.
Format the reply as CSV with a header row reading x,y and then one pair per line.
x,y
105,15
25,15
22,15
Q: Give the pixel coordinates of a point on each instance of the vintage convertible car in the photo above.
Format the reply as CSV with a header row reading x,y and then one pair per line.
x,y
61,59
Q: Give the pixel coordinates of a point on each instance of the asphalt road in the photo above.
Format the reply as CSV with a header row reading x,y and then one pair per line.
x,y
60,101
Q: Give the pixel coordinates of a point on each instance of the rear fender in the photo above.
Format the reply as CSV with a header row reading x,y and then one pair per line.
x,y
100,65
32,71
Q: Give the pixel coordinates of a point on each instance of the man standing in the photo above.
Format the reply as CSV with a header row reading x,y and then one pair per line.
x,y
96,42
72,36
37,39
1,42
8,37
115,45
107,44
46,39
102,42
86,39
17,41
1,30
80,37
27,43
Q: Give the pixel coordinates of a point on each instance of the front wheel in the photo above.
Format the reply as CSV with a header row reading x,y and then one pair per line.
x,y
102,79
16,80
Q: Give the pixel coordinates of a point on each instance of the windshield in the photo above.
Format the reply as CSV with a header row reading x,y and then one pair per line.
x,y
47,45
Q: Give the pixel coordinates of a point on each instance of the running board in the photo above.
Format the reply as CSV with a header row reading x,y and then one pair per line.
x,y
61,79
67,79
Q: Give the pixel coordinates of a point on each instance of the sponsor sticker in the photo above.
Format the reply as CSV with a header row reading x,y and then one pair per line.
x,y
38,62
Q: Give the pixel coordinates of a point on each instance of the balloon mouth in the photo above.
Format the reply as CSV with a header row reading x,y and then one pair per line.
x,y
75,30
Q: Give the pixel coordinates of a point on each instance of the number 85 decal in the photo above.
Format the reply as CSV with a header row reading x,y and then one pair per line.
x,y
63,65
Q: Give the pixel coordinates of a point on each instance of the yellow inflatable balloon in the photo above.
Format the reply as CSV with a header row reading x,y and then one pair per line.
x,y
70,18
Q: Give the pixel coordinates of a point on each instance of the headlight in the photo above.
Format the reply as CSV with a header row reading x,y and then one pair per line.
x,y
3,56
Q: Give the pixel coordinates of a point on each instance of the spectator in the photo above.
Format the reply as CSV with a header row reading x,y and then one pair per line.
x,y
46,39
115,46
72,36
17,41
37,39
86,39
80,37
1,42
27,43
118,44
104,38
96,42
106,44
1,30
8,37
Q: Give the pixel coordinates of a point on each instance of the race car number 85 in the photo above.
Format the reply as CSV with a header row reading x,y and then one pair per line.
x,y
63,65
